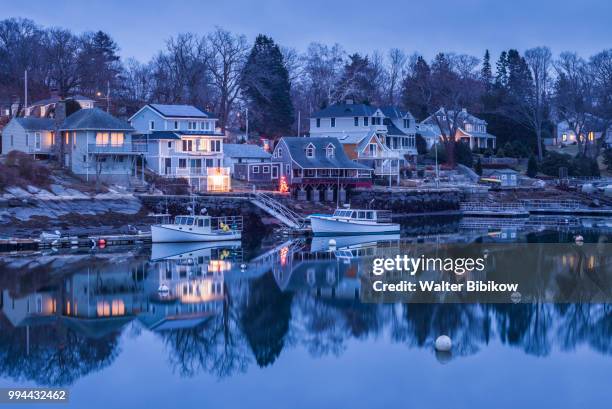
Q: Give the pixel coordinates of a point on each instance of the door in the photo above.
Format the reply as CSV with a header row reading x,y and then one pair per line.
x,y
168,165
37,142
274,172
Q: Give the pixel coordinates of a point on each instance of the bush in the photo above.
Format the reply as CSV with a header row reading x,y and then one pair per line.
x,y
463,154
578,166
532,167
22,169
500,153
421,144
478,167
439,147
607,158
488,153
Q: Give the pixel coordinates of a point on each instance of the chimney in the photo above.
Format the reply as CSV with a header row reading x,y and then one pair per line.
x,y
59,118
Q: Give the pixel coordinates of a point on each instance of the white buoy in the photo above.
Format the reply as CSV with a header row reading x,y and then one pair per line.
x,y
243,266
443,343
579,240
332,243
163,289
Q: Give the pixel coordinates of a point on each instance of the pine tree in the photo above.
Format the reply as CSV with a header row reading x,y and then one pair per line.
x,y
486,73
266,88
532,167
501,79
478,167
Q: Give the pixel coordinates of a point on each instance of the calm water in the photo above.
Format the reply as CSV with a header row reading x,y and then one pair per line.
x,y
278,323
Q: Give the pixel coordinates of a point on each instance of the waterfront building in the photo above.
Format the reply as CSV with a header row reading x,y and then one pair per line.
x,y
32,135
506,177
381,138
469,129
315,165
183,142
594,130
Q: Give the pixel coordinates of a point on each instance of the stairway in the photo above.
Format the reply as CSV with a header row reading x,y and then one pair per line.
x,y
279,211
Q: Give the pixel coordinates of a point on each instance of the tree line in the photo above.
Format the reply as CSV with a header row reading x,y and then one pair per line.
x,y
224,73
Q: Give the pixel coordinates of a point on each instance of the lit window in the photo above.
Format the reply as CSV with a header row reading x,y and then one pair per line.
x,y
564,137
102,138
117,138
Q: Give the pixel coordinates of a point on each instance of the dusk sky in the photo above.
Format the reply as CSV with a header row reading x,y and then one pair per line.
x,y
467,26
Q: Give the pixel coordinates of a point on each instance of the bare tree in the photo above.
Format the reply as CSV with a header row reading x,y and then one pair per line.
x,y
323,67
226,57
396,71
62,50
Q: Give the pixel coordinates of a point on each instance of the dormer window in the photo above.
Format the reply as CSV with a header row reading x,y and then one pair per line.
x,y
406,123
310,151
330,151
279,152
333,122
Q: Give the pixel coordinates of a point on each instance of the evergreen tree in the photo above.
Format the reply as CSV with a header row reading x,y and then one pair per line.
x,y
532,167
266,88
478,167
486,73
421,144
415,88
99,63
501,78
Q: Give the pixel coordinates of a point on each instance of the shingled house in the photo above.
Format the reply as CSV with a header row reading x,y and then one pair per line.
x,y
315,165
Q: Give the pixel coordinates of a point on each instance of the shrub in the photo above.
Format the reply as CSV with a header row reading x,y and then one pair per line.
x,y
500,153
463,154
553,162
439,147
532,167
607,158
421,144
488,153
23,166
478,167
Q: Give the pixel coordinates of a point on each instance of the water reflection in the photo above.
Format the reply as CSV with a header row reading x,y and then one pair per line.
x,y
63,315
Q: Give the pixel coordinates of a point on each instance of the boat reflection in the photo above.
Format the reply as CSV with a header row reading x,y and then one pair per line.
x,y
63,315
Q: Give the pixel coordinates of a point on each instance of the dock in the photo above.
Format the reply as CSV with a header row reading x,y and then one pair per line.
x,y
525,208
98,241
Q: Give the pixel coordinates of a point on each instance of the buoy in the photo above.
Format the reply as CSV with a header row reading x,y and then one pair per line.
x,y
101,242
163,289
443,343
579,240
243,266
332,243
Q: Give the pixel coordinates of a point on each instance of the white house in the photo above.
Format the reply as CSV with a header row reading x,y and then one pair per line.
x,y
235,153
470,129
565,135
183,142
378,137
31,135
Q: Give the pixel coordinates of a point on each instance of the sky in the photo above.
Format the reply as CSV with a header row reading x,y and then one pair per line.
x,y
466,26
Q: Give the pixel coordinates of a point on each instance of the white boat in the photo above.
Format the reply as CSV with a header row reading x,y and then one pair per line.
x,y
353,222
322,243
198,229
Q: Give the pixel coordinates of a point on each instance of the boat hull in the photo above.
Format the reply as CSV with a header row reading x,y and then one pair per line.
x,y
325,226
164,234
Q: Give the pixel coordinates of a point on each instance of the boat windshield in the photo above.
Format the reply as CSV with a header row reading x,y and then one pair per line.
x,y
343,213
189,221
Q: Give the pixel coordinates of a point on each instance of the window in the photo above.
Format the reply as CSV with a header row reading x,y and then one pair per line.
x,y
169,144
591,136
279,153
192,125
151,125
265,169
310,151
102,138
365,121
333,122
187,145
209,163
255,169
215,146
406,123
330,151
318,122
372,149
176,125
564,137
12,140
117,138
182,163
356,121
84,158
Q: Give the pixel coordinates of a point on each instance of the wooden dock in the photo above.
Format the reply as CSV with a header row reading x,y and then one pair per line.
x,y
98,241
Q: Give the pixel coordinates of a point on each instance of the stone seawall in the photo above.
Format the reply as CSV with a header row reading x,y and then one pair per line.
x,y
407,201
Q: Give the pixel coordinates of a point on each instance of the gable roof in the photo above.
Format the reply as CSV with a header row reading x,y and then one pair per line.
x,y
345,110
179,111
31,123
94,119
393,130
245,150
297,146
394,112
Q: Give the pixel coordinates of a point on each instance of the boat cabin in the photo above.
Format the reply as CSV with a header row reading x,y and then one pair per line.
x,y
198,221
356,214
208,223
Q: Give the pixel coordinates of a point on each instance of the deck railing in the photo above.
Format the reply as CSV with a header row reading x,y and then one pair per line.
x,y
125,148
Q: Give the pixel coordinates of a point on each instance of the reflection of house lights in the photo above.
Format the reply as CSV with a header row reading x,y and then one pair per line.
x,y
283,255
219,266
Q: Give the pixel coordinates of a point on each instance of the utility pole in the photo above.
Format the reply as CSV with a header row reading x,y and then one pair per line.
x,y
437,173
25,89
247,124
298,123
107,96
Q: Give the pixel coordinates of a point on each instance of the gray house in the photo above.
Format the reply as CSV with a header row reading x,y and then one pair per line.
x,y
30,135
315,165
96,144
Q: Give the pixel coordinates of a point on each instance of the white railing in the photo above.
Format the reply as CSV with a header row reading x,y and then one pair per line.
x,y
278,210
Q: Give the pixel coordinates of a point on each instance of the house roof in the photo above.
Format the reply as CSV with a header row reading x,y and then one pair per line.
x,y
180,111
394,112
245,150
297,150
462,116
162,135
54,99
94,119
394,130
345,110
30,123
